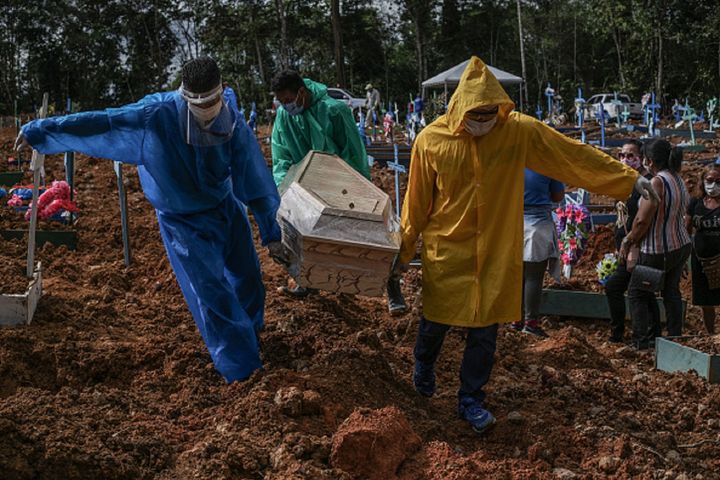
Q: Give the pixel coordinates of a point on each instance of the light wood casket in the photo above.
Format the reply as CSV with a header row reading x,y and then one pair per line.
x,y
341,227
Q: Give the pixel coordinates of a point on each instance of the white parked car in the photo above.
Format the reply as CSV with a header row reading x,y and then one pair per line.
x,y
607,100
345,97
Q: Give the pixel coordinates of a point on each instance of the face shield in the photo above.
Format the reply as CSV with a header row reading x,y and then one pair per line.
x,y
205,118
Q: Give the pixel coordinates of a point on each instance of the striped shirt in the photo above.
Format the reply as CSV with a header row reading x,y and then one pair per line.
x,y
667,232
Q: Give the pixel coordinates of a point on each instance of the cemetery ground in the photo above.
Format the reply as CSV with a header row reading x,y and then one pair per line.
x,y
112,380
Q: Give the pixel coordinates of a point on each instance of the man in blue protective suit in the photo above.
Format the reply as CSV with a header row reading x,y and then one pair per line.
x,y
198,163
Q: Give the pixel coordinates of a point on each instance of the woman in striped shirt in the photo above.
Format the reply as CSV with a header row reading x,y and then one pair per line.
x,y
659,231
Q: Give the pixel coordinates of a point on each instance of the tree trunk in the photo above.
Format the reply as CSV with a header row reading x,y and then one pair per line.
x,y
618,49
418,49
281,9
575,49
337,38
256,41
659,80
522,55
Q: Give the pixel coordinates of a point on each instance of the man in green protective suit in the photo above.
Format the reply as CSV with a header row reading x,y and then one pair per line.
x,y
311,120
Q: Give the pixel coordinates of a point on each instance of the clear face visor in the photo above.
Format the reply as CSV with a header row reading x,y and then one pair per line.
x,y
198,131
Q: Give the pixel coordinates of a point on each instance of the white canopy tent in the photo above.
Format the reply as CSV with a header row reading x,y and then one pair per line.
x,y
451,77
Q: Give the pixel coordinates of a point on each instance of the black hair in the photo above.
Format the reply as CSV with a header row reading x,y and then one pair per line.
x,y
287,80
635,142
664,155
200,75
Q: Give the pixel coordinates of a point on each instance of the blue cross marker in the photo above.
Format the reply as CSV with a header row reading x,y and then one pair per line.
x,y
580,108
677,110
653,107
549,93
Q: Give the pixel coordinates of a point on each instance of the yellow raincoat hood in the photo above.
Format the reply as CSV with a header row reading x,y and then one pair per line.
x,y
465,197
478,87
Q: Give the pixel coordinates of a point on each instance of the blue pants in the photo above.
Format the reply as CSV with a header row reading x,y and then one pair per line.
x,y
478,359
214,259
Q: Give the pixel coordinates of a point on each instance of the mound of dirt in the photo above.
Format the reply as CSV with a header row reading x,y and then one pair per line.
x,y
373,444
706,344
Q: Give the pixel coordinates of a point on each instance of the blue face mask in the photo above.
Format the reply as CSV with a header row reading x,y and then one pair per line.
x,y
293,108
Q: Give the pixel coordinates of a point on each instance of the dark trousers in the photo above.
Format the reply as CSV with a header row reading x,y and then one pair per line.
x,y
645,320
615,289
478,359
533,275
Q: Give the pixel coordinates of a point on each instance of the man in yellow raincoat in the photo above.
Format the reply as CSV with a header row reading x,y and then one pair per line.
x,y
465,196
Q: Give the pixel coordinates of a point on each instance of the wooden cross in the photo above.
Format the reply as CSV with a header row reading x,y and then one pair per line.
x,y
37,165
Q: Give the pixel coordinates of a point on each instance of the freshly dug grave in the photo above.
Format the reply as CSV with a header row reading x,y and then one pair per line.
x,y
706,344
13,266
112,381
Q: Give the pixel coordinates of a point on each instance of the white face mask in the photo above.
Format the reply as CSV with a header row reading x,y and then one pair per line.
x,y
205,115
712,189
646,164
478,129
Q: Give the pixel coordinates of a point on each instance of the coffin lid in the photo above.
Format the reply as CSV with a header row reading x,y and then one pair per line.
x,y
342,191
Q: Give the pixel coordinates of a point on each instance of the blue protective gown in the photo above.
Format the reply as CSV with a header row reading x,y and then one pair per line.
x,y
196,192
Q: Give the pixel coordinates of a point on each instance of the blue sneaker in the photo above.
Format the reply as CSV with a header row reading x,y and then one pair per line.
x,y
424,379
471,410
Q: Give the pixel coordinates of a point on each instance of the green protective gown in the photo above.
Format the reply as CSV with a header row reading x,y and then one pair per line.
x,y
327,125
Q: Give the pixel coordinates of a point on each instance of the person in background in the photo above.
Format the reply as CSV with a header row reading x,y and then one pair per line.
x,y
252,121
464,196
418,107
617,284
664,243
308,119
199,165
372,105
540,246
230,97
703,219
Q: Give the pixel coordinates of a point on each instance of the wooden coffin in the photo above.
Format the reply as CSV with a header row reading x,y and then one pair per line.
x,y
341,227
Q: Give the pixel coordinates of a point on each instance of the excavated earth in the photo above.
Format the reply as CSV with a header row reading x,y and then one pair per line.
x,y
111,380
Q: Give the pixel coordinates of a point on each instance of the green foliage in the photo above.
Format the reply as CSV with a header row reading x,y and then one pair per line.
x,y
109,52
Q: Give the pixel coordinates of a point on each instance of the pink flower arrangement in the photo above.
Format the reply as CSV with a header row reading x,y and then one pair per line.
x,y
573,227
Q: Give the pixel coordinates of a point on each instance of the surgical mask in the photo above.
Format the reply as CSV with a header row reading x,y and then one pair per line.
x,y
478,129
712,189
632,161
205,115
646,164
293,108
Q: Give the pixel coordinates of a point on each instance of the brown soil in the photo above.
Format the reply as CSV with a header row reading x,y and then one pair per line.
x,y
707,344
112,381
13,264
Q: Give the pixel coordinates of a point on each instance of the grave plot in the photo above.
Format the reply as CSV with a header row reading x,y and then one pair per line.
x,y
19,293
700,354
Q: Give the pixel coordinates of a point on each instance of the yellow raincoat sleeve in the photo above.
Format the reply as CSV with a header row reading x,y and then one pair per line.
x,y
554,155
418,202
